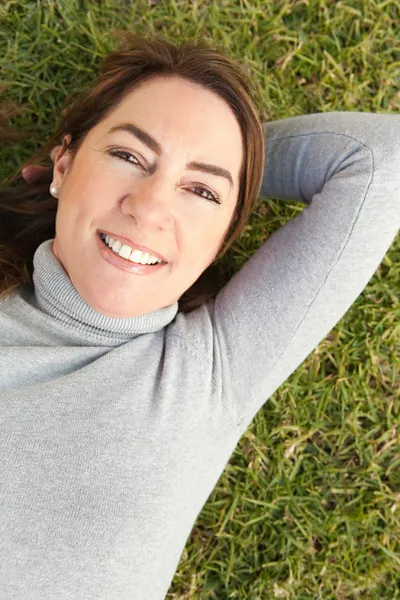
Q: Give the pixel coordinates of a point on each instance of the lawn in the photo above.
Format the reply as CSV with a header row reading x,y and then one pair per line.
x,y
308,506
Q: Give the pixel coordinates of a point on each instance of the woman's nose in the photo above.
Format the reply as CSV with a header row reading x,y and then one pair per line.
x,y
151,200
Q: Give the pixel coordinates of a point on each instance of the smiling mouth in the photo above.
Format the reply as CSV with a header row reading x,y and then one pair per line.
x,y
102,237
160,259
125,264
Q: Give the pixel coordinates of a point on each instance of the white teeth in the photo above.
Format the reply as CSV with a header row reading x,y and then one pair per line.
x,y
115,245
136,256
144,259
125,251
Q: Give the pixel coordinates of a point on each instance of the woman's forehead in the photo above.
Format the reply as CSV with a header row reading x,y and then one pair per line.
x,y
180,119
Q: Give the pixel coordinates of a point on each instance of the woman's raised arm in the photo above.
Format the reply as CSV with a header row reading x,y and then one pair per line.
x,y
302,280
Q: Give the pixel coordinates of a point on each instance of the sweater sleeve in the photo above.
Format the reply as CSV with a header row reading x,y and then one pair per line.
x,y
345,166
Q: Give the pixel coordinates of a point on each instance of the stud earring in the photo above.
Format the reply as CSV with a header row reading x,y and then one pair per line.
x,y
53,191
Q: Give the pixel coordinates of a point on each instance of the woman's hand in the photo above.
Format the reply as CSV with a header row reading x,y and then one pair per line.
x,y
34,173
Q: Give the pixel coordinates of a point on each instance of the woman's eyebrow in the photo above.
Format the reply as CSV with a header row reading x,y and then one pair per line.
x,y
147,139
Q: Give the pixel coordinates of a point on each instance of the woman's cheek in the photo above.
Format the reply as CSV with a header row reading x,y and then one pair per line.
x,y
100,186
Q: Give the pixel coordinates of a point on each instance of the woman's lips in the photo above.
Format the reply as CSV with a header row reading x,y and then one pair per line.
x,y
134,246
125,264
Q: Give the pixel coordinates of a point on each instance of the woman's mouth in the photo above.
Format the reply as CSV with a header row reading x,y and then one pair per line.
x,y
125,264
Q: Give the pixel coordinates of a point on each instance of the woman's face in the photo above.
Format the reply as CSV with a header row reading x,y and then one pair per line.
x,y
148,193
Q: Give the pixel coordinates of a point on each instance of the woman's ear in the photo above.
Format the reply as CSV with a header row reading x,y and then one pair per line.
x,y
61,161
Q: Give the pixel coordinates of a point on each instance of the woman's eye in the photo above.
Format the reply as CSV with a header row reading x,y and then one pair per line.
x,y
126,156
206,194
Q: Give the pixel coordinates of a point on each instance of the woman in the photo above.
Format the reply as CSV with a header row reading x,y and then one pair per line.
x,y
126,388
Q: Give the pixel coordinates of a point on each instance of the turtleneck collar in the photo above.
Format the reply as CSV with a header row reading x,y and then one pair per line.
x,y
56,295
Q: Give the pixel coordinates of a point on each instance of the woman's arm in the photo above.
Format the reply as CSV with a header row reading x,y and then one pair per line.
x,y
303,279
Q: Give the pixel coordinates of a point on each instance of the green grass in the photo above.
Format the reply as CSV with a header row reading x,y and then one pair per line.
x,y
308,506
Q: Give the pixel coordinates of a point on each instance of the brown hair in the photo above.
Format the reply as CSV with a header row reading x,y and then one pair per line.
x,y
28,211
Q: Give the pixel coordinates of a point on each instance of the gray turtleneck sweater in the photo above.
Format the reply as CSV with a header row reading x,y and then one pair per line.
x,y
115,431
